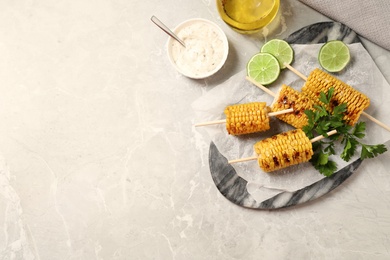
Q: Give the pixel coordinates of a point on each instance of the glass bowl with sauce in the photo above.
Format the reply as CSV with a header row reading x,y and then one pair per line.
x,y
206,48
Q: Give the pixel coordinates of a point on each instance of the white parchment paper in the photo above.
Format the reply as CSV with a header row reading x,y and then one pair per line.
x,y
361,73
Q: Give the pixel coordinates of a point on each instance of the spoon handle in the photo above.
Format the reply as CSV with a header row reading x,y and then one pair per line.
x,y
166,29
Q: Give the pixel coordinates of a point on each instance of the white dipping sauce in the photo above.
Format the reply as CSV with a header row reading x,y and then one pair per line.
x,y
205,48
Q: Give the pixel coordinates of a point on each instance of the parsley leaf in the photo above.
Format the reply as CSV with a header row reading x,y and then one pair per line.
x,y
320,159
330,94
324,98
323,158
371,151
359,129
327,168
339,110
330,149
349,149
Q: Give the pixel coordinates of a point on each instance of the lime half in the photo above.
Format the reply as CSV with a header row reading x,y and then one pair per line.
x,y
281,50
334,56
263,68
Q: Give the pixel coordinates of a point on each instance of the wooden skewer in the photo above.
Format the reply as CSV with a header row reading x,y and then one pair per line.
x,y
257,84
216,122
281,112
243,160
376,121
222,121
295,71
373,119
315,139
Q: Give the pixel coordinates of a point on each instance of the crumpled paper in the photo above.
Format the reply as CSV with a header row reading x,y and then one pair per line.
x,y
361,73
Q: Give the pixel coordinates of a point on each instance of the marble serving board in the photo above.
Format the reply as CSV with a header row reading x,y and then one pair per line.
x,y
235,188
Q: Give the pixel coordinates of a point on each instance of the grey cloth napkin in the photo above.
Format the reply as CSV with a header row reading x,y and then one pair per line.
x,y
368,18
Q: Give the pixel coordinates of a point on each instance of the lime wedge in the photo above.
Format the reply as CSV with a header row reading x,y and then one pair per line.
x,y
334,56
263,68
281,50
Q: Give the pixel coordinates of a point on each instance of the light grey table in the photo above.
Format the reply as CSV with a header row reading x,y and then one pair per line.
x,y
99,159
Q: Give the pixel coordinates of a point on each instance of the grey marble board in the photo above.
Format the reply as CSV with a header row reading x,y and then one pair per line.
x,y
323,32
234,188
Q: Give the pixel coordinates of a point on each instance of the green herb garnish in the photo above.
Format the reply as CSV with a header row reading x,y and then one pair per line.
x,y
320,121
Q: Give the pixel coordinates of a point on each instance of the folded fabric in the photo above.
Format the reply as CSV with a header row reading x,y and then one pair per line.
x,y
368,18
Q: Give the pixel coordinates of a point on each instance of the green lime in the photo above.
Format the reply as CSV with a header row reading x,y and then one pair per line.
x,y
334,56
281,50
263,68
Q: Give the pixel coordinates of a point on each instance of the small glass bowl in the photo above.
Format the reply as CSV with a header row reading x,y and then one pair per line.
x,y
206,49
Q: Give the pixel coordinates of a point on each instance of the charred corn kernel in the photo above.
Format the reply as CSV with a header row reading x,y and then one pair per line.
x,y
247,118
319,80
283,150
290,98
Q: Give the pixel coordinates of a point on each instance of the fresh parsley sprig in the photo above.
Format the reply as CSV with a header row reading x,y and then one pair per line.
x,y
320,121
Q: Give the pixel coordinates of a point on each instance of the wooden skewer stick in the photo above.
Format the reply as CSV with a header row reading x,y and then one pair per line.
x,y
257,84
281,112
315,139
243,160
222,121
295,71
376,121
216,122
373,119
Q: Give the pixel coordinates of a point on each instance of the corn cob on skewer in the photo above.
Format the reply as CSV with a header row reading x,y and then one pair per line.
x,y
288,97
373,119
247,118
283,150
319,80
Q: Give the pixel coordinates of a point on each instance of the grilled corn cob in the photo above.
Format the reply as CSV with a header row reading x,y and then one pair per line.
x,y
319,80
247,118
283,150
290,98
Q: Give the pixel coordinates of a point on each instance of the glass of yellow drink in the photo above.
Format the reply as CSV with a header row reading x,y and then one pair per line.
x,y
248,16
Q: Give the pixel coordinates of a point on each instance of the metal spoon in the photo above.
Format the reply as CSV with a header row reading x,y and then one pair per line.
x,y
166,29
